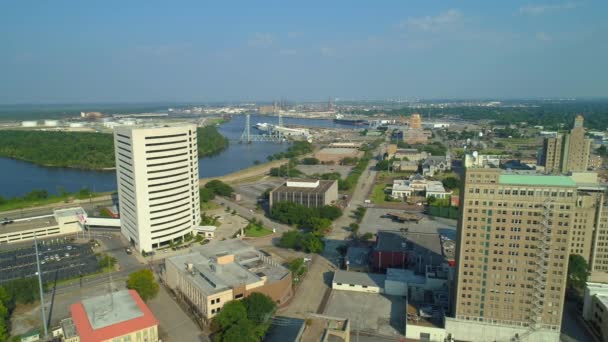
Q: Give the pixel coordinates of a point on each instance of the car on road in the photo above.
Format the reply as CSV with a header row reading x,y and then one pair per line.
x,y
128,250
6,221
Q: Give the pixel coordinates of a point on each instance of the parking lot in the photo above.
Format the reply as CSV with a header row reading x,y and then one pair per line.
x,y
58,261
375,219
369,312
251,192
310,170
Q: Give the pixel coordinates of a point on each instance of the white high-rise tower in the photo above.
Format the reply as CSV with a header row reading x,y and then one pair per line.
x,y
157,177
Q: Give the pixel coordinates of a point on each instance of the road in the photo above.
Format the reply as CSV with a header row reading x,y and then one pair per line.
x,y
362,190
88,206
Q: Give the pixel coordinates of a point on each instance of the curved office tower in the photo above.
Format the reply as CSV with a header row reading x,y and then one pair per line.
x,y
157,177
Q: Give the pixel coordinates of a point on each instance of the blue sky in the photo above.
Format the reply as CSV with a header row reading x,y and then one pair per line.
x,y
134,51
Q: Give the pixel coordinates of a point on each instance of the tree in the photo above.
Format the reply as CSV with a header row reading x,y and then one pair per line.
x,y
231,313
206,194
106,261
383,165
311,243
367,236
260,308
144,283
219,188
354,228
241,331
310,161
578,271
290,239
330,212
297,267
451,182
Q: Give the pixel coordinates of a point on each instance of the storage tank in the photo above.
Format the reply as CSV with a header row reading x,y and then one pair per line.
x,y
29,123
76,125
51,123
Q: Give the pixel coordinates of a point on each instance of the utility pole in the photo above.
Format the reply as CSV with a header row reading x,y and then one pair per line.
x,y
43,314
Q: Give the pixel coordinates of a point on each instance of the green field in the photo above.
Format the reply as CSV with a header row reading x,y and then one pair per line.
x,y
378,194
254,230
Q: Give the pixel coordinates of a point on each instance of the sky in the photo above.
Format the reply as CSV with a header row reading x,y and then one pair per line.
x,y
198,51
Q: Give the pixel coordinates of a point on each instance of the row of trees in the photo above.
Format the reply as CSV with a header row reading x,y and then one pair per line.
x,y
213,188
305,217
543,113
83,150
298,148
38,195
245,320
300,241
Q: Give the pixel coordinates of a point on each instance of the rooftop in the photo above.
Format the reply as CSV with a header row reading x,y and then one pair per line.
x,y
28,224
111,308
357,256
407,276
359,278
324,185
389,241
102,318
249,266
535,179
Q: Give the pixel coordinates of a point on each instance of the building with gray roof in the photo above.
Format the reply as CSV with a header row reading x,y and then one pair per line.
x,y
221,271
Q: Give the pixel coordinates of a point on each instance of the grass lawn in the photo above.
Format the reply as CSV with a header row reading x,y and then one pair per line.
x,y
378,194
209,205
253,230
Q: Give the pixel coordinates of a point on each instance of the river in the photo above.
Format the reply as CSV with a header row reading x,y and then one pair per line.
x,y
18,178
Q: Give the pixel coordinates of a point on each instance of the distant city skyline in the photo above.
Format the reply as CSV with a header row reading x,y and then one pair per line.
x,y
190,51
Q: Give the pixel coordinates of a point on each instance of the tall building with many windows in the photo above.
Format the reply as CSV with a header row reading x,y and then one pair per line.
x,y
569,152
512,256
157,176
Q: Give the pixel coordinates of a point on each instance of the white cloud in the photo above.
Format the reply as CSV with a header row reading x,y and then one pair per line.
x,y
542,36
261,40
434,23
542,9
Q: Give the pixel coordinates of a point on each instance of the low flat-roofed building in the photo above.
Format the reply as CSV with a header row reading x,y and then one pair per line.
x,y
312,193
221,271
595,309
416,185
206,231
358,281
410,154
356,145
334,155
61,222
116,316
405,166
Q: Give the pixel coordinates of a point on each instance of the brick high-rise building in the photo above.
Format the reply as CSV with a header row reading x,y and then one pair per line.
x,y
569,152
512,256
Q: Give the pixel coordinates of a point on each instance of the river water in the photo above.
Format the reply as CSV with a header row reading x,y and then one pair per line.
x,y
18,178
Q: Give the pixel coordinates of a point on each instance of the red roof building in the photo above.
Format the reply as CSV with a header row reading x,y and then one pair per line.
x,y
119,315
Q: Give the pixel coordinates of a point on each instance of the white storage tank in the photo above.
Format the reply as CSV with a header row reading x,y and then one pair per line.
x,y
76,125
29,123
51,123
